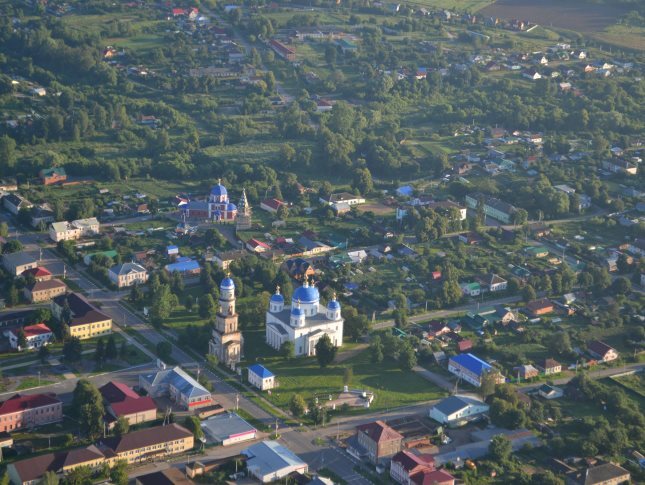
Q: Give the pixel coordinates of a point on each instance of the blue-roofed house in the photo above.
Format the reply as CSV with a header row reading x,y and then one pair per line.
x,y
405,191
458,410
176,384
471,368
261,377
188,267
269,461
172,250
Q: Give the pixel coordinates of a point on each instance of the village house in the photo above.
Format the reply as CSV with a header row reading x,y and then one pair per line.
x,y
86,321
225,258
550,366
620,166
436,329
51,176
14,203
471,369
504,314
550,392
127,274
20,412
18,263
272,205
69,231
40,291
602,351
261,377
342,198
378,441
38,274
36,336
492,283
536,308
525,371
299,268
256,246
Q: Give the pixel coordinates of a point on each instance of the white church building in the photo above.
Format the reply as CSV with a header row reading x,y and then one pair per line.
x,y
303,322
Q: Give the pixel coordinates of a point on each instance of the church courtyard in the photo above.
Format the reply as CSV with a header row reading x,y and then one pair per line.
x,y
392,386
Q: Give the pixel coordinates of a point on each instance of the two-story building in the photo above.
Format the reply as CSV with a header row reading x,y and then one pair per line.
x,y
40,291
14,203
35,335
495,208
69,231
150,443
128,274
18,263
602,351
379,441
83,319
121,401
20,412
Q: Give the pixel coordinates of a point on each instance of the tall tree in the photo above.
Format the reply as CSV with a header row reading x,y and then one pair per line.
x,y
87,406
110,348
325,351
72,349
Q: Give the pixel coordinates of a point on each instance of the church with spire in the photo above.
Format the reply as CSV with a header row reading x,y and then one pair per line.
x,y
244,214
303,322
226,342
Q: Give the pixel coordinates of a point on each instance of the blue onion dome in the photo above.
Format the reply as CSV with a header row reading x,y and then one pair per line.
x,y
333,305
306,293
231,207
277,297
219,189
296,311
227,283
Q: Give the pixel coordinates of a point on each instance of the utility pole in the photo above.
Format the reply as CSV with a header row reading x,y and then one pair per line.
x,y
237,401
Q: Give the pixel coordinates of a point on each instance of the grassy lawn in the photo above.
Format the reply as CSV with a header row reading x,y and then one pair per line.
x,y
392,386
29,382
634,382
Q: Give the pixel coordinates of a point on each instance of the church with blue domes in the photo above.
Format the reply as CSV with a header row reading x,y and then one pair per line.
x,y
217,208
303,322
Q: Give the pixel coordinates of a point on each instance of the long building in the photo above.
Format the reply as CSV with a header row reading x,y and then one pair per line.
x,y
471,369
495,208
85,320
19,412
135,447
69,231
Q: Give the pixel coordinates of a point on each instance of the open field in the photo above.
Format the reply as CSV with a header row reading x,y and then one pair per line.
x,y
469,5
576,16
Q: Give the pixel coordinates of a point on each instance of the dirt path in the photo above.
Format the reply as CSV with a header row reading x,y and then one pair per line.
x,y
348,354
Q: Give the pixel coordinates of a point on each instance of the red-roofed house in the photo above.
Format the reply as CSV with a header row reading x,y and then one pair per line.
x,y
27,411
437,328
282,50
40,273
602,351
257,246
122,401
405,464
176,12
432,477
464,345
271,205
36,336
539,307
379,440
